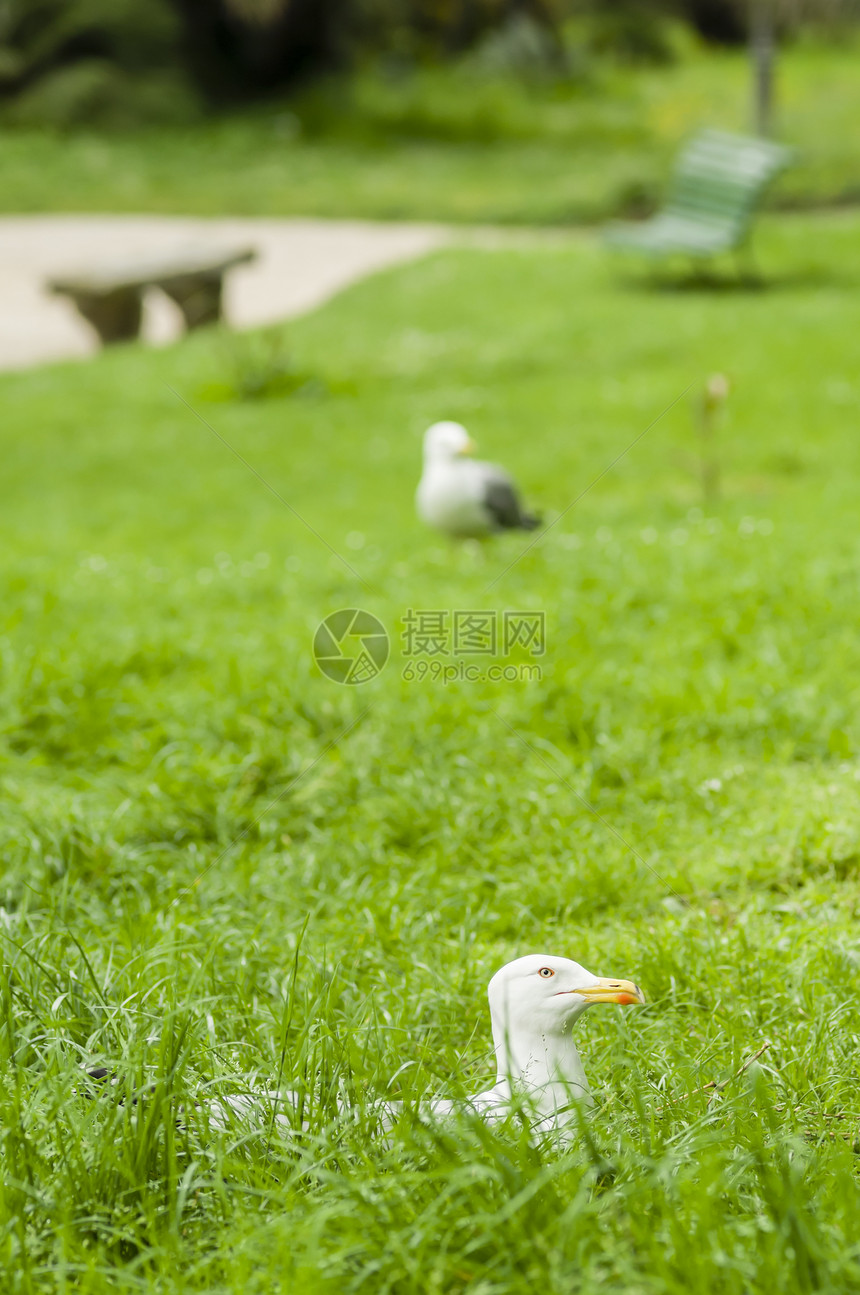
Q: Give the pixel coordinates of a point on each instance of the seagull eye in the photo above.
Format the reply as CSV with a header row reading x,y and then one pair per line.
x,y
546,972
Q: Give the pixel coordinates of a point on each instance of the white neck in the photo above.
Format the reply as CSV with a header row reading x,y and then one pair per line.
x,y
546,1066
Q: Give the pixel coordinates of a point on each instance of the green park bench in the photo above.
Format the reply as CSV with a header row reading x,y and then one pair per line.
x,y
110,297
715,192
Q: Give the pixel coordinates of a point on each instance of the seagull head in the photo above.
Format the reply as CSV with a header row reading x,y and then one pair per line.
x,y
447,441
544,994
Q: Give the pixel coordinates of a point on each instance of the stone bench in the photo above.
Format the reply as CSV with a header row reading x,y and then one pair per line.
x,y
110,297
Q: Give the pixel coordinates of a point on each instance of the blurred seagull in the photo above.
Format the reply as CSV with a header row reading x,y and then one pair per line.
x,y
534,1003
462,496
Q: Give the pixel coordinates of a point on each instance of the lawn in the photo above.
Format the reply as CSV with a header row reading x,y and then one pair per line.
x,y
221,868
453,144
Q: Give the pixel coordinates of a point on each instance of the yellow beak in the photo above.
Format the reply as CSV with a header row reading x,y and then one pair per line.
x,y
468,448
611,991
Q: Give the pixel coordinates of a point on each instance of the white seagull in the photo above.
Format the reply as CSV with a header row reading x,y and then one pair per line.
x,y
534,1003
462,496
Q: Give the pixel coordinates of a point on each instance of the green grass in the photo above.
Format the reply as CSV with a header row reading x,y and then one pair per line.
x,y
221,868
453,145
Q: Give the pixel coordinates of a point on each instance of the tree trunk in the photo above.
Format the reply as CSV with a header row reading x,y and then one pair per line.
x,y
762,53
240,51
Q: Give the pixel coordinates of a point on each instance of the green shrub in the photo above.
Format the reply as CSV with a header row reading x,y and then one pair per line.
x,y
635,31
95,62
95,92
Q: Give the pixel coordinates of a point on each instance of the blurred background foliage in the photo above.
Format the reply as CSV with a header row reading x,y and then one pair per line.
x,y
121,63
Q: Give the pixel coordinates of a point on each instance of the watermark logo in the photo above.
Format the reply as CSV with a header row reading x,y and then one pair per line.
x,y
351,646
439,645
473,633
472,645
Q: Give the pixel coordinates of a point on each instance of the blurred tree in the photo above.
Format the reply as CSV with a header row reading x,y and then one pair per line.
x,y
730,22
43,34
722,21
242,48
633,30
109,61
120,61
766,21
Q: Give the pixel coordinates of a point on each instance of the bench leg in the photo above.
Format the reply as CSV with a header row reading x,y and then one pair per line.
x,y
114,315
198,296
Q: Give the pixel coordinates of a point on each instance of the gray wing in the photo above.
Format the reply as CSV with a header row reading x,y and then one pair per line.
x,y
502,502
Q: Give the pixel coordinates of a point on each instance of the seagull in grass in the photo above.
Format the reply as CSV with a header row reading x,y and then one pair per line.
x,y
535,1002
462,496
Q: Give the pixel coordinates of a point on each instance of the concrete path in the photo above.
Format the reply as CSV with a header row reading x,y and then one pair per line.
x,y
301,263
